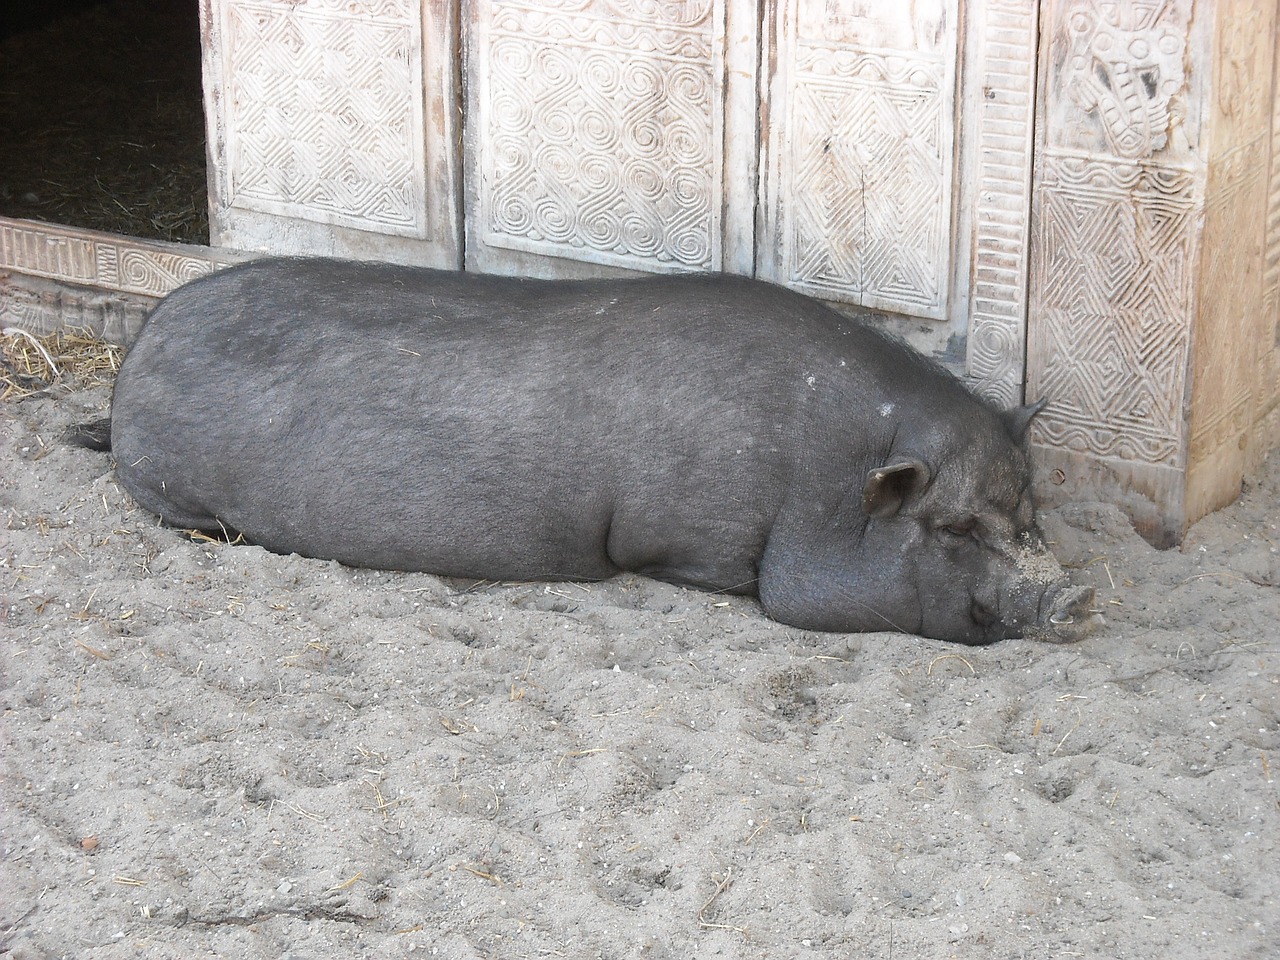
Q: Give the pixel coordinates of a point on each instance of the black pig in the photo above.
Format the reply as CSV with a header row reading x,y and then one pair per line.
x,y
708,430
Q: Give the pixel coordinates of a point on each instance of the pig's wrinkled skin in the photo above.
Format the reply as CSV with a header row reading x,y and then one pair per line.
x,y
707,430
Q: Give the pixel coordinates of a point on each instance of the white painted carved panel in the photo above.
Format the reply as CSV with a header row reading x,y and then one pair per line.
x,y
331,127
597,134
320,123
857,203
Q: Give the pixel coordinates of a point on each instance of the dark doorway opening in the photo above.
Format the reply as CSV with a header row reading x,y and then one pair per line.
x,y
102,117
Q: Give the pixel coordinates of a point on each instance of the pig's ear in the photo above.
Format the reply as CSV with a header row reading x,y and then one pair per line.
x,y
888,487
1019,418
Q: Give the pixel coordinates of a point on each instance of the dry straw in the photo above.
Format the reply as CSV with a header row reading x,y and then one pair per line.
x,y
32,364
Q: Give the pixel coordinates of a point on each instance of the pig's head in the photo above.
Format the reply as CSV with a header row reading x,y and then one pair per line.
x,y
938,538
955,523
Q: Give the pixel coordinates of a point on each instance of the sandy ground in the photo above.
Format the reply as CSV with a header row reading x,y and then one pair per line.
x,y
210,750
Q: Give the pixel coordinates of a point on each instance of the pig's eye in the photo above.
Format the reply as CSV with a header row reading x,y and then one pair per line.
x,y
961,528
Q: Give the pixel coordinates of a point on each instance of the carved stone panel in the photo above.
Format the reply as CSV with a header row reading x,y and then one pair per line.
x,y
597,133
331,127
857,204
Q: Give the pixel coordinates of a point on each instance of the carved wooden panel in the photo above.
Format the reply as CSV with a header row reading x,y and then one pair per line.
x,y
321,138
1113,249
1114,254
597,134
996,193
857,204
319,125
52,276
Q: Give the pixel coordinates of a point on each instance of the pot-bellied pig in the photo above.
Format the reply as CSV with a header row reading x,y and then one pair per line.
x,y
707,430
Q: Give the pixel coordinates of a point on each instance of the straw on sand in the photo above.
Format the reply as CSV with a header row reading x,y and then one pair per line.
x,y
32,364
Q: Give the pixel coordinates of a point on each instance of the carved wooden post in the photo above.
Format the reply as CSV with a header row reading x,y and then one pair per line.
x,y
1267,412
997,114
1146,323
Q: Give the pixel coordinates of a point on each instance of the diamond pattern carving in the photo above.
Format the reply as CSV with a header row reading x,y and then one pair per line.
x,y
1114,245
866,179
861,128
